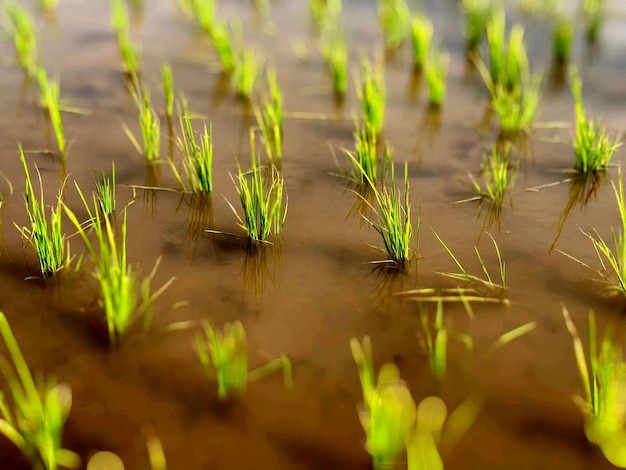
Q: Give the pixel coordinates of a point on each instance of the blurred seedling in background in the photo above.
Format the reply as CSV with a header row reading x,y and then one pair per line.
x,y
421,36
224,356
335,53
476,15
33,411
595,15
168,90
22,30
269,118
603,375
395,21
248,65
129,52
49,91
262,199
203,13
371,164
49,6
105,460
436,76
124,296
562,39
197,155
221,38
44,235
371,92
105,191
149,125
325,13
592,147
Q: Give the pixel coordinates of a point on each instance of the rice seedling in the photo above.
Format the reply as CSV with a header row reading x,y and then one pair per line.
x,y
325,13
197,156
45,236
105,191
49,6
393,220
603,375
436,75
335,53
149,125
129,52
421,36
395,20
224,355
24,34
49,91
388,411
496,178
372,94
508,61
489,281
269,118
204,14
436,341
223,44
261,199
124,296
476,13
33,411
246,72
593,149
595,14
562,39
168,90
372,165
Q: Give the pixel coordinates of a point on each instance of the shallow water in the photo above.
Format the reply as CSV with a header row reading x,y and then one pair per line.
x,y
308,296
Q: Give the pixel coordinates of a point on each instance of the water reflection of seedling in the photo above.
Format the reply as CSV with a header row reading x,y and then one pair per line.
x,y
604,382
149,125
436,75
45,236
562,39
261,199
395,20
592,147
372,94
476,14
335,53
22,30
224,355
421,36
124,296
49,90
33,411
197,155
269,118
105,191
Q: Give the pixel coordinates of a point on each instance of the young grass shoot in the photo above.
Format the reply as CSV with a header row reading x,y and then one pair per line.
x,y
223,45
421,37
325,13
224,355
33,411
105,191
497,176
476,13
269,118
371,165
395,21
168,90
261,196
24,34
49,91
335,53
45,236
129,52
149,125
562,39
246,72
436,75
372,94
593,148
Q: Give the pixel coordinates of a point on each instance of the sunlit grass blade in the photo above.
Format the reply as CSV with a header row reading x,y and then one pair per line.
x,y
105,191
168,89
44,235
34,410
247,71
372,93
49,91
223,43
269,117
204,14
24,34
149,125
129,52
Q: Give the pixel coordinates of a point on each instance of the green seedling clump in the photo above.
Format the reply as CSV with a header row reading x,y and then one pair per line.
x,y
335,53
49,91
395,20
372,95
148,123
22,30
197,155
269,118
33,411
421,36
603,375
168,90
369,165
562,39
436,75
261,198
246,72
595,14
495,171
593,148
46,237
204,14
476,15
223,44
325,13
129,52
224,355
49,6
105,191
124,296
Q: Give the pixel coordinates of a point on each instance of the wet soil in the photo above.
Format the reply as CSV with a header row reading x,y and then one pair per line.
x,y
307,296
